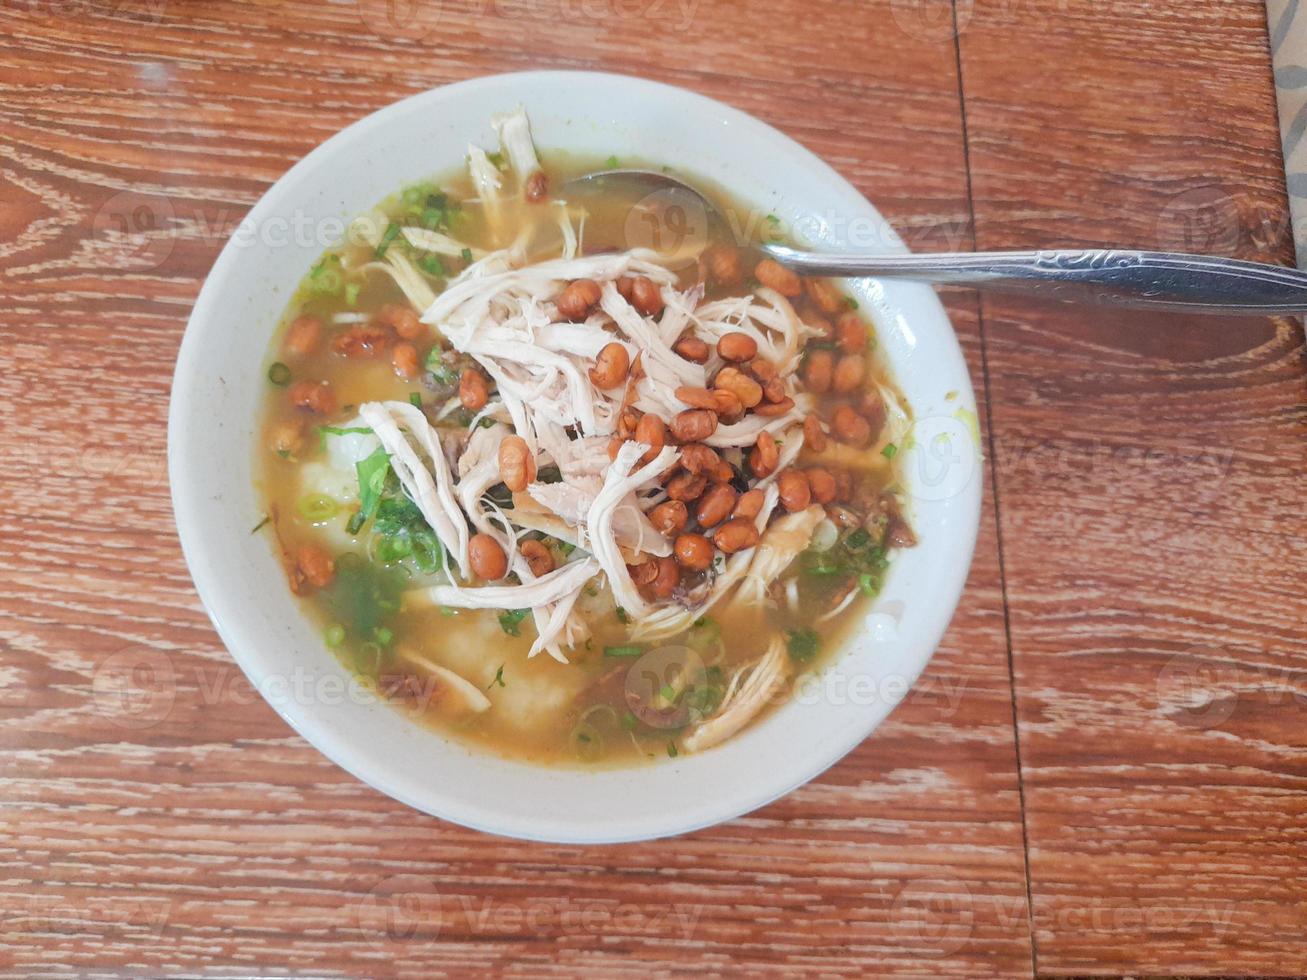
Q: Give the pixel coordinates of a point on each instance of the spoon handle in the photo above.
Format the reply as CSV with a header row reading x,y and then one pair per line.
x,y
1119,277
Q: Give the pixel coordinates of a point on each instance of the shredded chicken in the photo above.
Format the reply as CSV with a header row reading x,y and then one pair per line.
x,y
369,229
457,692
779,546
434,241
620,484
751,689
434,497
553,587
514,131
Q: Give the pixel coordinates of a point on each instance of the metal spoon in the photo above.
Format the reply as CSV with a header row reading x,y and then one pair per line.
x,y
1121,277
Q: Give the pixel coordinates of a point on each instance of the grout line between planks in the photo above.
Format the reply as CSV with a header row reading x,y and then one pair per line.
x,y
994,490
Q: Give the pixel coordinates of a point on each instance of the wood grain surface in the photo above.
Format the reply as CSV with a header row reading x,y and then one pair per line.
x,y
1102,770
1150,470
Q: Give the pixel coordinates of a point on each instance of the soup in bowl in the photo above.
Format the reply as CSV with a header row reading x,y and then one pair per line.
x,y
603,513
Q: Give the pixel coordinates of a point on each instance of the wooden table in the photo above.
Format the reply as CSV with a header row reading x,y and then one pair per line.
x,y
1104,768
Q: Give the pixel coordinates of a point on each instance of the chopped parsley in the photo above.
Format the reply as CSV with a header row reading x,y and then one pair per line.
x,y
499,678
510,621
802,644
466,255
372,473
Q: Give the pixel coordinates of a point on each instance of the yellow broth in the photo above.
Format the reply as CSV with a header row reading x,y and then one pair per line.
x,y
617,701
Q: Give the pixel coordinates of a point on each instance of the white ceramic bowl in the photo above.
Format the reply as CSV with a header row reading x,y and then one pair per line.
x,y
211,446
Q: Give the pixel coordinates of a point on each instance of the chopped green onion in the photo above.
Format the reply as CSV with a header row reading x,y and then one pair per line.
x,y
629,721
334,635
415,399
392,549
279,374
326,278
316,508
427,552
390,234
587,743
383,636
369,652
352,293
867,583
431,264
448,611
671,750
850,302
612,163
466,255
890,450
333,430
623,616
634,650
667,693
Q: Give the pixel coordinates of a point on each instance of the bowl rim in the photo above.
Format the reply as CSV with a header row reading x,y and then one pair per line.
x,y
213,593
